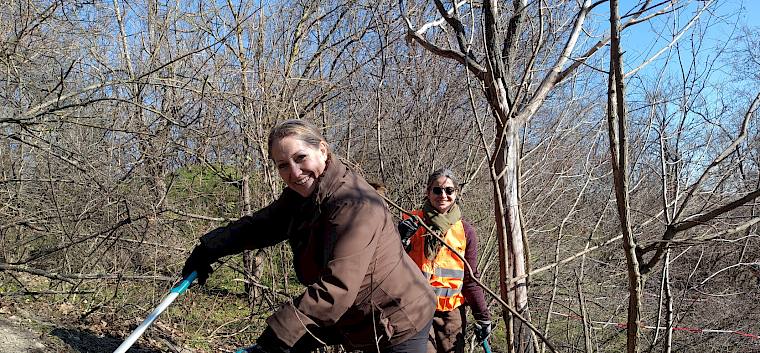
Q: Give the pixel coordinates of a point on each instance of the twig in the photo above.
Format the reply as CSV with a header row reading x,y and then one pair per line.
x,y
143,243
46,292
69,277
196,216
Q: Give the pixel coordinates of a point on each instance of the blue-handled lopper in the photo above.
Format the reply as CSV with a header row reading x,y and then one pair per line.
x,y
173,294
486,347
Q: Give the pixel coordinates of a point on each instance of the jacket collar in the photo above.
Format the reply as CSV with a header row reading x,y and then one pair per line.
x,y
331,179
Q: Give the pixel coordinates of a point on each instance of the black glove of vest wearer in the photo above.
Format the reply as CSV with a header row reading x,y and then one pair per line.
x,y
269,343
482,330
200,261
406,229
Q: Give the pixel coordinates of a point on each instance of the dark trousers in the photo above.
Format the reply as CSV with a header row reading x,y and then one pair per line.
x,y
415,344
447,334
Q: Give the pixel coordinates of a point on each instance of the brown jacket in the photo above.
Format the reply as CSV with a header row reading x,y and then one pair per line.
x,y
347,252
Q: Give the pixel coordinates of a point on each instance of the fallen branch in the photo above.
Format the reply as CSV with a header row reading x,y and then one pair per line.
x,y
70,277
47,292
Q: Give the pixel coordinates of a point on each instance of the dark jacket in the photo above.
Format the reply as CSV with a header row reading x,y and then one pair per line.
x,y
347,252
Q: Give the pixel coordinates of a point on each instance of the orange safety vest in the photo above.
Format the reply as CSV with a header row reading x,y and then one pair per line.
x,y
446,272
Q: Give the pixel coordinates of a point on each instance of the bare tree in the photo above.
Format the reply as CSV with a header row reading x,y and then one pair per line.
x,y
519,54
674,207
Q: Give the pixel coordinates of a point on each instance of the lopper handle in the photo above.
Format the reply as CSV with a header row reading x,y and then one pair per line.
x,y
182,286
168,299
486,347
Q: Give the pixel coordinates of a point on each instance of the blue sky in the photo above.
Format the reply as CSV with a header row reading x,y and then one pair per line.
x,y
723,19
715,31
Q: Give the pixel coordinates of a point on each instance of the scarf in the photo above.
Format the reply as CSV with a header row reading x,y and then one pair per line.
x,y
440,222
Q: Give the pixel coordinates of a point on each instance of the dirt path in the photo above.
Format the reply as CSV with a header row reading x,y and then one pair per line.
x,y
20,335
16,339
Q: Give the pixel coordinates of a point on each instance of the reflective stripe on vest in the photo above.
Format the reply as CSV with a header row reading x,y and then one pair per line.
x,y
446,292
446,272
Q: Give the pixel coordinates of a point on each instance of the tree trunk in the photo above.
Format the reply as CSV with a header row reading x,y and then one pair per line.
x,y
618,135
511,245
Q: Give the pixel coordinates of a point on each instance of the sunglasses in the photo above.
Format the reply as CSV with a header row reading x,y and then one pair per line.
x,y
439,190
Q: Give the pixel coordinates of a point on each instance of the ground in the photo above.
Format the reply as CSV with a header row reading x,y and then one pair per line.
x,y
214,318
22,332
15,339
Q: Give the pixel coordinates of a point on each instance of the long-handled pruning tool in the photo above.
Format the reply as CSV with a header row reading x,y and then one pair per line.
x,y
486,347
168,299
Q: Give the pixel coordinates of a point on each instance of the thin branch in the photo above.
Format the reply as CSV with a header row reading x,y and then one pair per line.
x,y
672,42
201,217
706,217
477,69
412,35
749,264
726,152
553,77
70,277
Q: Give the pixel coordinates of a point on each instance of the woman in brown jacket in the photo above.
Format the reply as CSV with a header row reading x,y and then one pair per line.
x,y
362,290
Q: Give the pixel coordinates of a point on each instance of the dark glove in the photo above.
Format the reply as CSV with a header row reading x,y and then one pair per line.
x,y
200,261
482,330
269,343
406,229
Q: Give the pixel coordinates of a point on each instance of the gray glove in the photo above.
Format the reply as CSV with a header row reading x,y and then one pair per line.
x,y
482,330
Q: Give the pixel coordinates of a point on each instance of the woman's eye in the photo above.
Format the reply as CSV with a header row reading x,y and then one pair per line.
x,y
282,166
300,158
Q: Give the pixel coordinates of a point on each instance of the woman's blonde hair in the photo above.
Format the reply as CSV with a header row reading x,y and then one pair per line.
x,y
300,129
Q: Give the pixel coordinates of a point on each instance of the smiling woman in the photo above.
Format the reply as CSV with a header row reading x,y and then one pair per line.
x,y
362,291
299,154
447,274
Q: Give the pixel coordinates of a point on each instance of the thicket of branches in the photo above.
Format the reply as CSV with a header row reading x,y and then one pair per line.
x,y
128,129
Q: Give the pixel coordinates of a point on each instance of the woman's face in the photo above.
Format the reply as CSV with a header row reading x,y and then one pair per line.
x,y
442,194
299,163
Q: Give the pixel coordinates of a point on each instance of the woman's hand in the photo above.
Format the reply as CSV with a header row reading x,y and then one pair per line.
x,y
200,261
406,229
482,330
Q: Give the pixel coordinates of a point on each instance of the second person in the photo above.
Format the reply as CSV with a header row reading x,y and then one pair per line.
x,y
446,272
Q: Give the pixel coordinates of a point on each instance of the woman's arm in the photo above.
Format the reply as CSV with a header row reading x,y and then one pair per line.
x,y
265,227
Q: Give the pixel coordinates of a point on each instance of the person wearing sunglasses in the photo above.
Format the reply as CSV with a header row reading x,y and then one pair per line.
x,y
361,290
446,272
